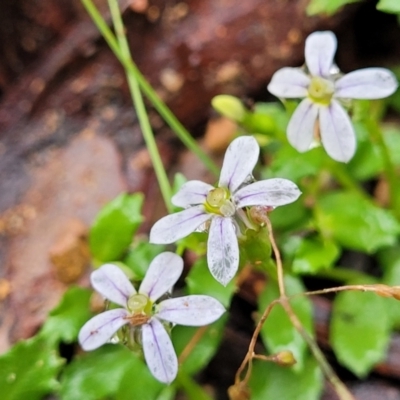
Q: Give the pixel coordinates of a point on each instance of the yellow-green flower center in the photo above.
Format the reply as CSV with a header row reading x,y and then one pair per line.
x,y
321,90
218,202
139,304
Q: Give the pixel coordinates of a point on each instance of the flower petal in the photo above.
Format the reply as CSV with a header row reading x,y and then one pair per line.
x,y
101,328
222,250
289,83
270,192
158,351
163,272
368,83
112,283
194,310
176,226
337,132
191,193
319,52
240,159
300,130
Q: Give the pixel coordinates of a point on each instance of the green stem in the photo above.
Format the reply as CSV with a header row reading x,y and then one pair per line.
x,y
150,93
140,108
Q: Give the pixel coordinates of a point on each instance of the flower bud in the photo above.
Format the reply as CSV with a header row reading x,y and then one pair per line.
x,y
285,358
230,107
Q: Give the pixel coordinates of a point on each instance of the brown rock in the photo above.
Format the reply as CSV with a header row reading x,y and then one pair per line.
x,y
66,184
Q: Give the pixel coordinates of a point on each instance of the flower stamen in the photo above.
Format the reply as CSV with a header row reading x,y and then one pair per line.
x,y
321,90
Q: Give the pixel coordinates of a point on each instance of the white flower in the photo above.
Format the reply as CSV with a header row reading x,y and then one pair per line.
x,y
221,207
140,312
321,89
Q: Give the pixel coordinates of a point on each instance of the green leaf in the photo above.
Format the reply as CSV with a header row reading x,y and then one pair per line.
x,y
271,381
29,370
291,216
205,347
391,136
65,321
140,256
97,374
290,164
138,381
200,281
328,7
192,390
360,330
114,227
367,162
278,333
389,6
313,255
355,222
389,260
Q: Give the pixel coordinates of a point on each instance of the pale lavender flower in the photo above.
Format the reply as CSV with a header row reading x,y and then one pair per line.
x,y
322,89
222,208
143,315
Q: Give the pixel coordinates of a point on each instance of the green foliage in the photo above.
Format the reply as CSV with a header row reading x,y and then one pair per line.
x,y
205,347
360,330
29,370
389,260
328,7
389,6
113,228
278,333
271,381
200,281
140,256
355,222
98,374
314,255
136,379
65,321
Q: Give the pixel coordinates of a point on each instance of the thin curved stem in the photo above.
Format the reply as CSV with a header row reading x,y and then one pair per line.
x,y
141,112
150,93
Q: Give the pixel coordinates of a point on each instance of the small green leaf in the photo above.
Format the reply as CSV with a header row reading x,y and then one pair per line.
x,y
65,321
328,7
114,227
389,6
313,255
140,256
278,333
271,381
360,330
355,222
138,383
200,281
204,349
29,370
98,374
